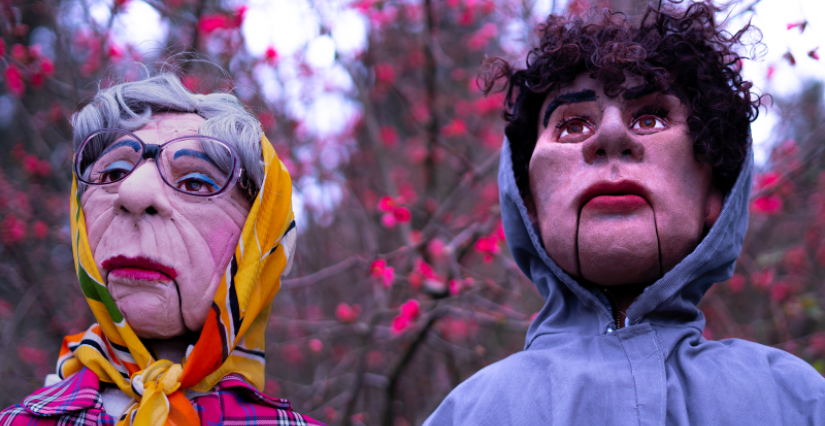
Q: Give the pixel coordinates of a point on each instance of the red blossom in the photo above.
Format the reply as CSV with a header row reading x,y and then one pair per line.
x,y
801,25
812,53
20,53
33,356
316,346
291,353
211,23
379,269
764,279
347,314
767,205
789,56
14,81
402,215
271,55
736,283
456,127
780,291
12,230
389,136
386,204
2,47
480,38
272,388
385,73
409,311
41,230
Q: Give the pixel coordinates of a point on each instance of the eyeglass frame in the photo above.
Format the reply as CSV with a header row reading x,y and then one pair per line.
x,y
236,175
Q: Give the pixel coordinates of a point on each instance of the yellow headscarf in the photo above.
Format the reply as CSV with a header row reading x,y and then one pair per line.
x,y
232,339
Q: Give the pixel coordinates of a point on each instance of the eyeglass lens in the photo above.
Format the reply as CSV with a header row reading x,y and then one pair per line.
x,y
194,165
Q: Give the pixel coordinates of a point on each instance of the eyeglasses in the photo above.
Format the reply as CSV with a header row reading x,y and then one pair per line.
x,y
196,165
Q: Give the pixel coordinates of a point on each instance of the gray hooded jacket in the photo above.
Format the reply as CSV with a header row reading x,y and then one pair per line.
x,y
577,369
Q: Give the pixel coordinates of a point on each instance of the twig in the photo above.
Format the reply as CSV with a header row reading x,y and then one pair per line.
x,y
323,274
405,360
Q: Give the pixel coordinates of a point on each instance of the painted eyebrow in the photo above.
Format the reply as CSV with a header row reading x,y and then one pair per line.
x,y
568,98
192,153
639,91
126,142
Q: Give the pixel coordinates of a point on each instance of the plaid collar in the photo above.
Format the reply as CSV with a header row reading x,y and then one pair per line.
x,y
81,391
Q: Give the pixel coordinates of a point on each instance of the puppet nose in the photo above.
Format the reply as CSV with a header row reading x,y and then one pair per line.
x,y
143,193
613,141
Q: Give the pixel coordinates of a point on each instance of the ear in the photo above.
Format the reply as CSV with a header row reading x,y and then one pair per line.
x,y
713,207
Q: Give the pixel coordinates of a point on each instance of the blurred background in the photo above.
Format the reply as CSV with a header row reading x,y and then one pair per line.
x,y
403,285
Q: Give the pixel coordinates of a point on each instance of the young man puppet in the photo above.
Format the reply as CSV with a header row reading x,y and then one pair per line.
x,y
624,183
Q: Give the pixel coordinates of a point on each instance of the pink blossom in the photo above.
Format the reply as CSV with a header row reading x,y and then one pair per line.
x,y
14,81
771,70
409,311
389,136
316,346
402,215
347,314
379,269
768,205
456,127
33,356
386,204
388,220
385,73
272,388
780,291
291,353
12,230
812,53
211,23
41,230
737,283
801,25
271,55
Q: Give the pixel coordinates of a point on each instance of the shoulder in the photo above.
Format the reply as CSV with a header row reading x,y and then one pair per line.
x,y
492,386
73,401
233,400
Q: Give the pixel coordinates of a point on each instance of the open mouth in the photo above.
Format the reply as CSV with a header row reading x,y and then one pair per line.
x,y
614,197
138,268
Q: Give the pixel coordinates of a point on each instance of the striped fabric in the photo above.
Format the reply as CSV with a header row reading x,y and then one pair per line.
x,y
232,339
76,401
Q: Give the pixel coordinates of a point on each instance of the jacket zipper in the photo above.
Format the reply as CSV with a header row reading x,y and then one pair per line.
x,y
614,308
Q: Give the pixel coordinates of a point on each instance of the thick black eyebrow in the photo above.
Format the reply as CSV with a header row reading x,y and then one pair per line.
x,y
125,142
586,95
639,91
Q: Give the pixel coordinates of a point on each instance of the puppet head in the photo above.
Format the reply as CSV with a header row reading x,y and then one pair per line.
x,y
626,137
163,229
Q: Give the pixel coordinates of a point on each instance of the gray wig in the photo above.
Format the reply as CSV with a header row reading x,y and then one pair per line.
x,y
129,106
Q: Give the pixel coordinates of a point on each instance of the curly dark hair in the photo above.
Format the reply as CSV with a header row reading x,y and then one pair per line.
x,y
685,52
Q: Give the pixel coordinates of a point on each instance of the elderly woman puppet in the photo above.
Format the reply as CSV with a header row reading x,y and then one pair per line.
x,y
182,226
625,179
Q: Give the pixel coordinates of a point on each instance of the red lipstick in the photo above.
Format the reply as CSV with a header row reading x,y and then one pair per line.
x,y
138,268
614,197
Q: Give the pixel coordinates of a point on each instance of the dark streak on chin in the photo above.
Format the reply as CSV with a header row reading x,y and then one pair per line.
x,y
568,98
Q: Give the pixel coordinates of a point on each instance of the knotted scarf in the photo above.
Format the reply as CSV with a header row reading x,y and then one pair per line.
x,y
232,339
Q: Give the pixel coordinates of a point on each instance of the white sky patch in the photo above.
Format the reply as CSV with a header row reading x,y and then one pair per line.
x,y
320,52
349,30
772,18
287,25
141,25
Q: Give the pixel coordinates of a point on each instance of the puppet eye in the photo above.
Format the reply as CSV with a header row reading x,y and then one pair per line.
x,y
574,129
647,123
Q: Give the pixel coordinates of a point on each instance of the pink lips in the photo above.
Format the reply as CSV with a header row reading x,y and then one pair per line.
x,y
614,197
139,269
616,203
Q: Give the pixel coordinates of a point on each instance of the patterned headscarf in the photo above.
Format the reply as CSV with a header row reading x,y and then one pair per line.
x,y
232,339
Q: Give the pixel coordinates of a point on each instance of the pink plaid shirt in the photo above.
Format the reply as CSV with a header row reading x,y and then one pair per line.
x,y
77,401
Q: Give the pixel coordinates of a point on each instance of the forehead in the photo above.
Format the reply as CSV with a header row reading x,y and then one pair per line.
x,y
169,125
585,82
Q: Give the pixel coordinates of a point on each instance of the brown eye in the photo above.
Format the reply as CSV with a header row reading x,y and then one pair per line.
x,y
575,129
649,122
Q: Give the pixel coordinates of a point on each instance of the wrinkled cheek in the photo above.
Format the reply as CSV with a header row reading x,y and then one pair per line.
x,y
617,249
151,309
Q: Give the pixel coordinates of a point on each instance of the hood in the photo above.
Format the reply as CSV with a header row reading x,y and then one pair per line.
x,y
572,308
